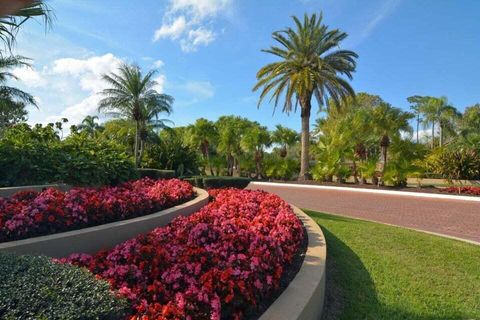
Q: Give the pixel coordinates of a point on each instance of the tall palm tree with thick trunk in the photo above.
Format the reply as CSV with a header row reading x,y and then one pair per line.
x,y
132,96
311,65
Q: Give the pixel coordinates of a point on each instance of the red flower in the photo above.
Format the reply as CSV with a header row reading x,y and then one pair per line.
x,y
217,263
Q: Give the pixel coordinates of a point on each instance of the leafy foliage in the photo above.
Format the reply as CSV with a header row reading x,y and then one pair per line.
x,y
38,288
38,156
454,163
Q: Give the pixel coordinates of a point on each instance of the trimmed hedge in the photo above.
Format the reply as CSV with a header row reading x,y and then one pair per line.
x,y
38,288
212,182
156,173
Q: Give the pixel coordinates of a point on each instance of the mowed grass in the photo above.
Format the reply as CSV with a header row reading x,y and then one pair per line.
x,y
382,272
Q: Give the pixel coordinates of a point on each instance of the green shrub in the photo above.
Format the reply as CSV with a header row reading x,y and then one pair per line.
x,y
156,173
37,288
225,182
454,163
278,168
37,155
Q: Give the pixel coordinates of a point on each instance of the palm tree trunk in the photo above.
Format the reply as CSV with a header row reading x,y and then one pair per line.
x,y
140,153
137,140
305,159
433,134
355,173
441,134
418,126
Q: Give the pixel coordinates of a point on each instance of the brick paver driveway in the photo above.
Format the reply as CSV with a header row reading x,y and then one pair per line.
x,y
450,217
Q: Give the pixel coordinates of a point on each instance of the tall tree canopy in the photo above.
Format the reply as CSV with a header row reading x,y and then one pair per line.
x,y
310,65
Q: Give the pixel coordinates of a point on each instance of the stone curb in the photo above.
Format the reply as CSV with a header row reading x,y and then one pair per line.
x,y
303,298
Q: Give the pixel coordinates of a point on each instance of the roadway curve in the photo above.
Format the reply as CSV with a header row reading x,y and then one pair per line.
x,y
455,218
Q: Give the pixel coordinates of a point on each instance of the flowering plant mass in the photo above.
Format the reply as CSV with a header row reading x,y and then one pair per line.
x,y
29,214
470,190
218,263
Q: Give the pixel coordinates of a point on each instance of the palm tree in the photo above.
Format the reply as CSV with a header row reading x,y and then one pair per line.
x,y
390,122
89,124
201,136
14,13
438,111
311,65
255,139
285,138
10,96
132,96
417,106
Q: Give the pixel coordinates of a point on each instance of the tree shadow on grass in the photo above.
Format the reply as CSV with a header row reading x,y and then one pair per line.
x,y
350,291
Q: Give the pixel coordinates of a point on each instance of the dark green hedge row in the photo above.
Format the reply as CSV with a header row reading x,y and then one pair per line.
x,y
156,173
212,182
37,288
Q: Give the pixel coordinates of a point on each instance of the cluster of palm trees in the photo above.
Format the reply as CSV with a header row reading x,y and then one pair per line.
x,y
236,144
435,113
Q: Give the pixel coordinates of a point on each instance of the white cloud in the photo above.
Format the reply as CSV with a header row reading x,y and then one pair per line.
x,y
173,30
190,22
160,80
385,10
29,76
197,37
158,64
200,89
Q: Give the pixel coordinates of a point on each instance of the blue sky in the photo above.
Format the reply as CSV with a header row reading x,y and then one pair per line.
x,y
208,51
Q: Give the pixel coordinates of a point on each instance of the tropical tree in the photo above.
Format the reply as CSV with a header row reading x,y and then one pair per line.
x,y
230,132
132,96
417,106
311,65
285,138
202,135
254,141
14,13
89,125
439,112
390,122
13,101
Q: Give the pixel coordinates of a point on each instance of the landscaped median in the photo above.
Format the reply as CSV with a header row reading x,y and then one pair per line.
x,y
57,223
232,259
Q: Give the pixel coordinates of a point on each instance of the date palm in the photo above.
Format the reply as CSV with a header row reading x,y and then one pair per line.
x,y
132,96
311,65
254,141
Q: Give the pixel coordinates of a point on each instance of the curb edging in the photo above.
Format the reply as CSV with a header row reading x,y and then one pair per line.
x,y
305,294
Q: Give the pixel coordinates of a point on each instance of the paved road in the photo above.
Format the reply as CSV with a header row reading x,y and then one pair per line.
x,y
450,217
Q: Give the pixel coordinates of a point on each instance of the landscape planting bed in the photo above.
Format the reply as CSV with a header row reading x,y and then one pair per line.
x,y
221,262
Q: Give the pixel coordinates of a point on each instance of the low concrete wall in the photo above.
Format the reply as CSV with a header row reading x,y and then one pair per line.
x,y
7,192
93,239
304,296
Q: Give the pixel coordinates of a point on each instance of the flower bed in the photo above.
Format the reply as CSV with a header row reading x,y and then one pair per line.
x,y
29,213
469,190
220,262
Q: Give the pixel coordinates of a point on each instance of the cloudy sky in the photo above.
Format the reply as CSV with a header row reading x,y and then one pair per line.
x,y
208,51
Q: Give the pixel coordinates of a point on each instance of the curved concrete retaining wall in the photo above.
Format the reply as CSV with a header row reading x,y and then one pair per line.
x,y
93,239
304,296
7,192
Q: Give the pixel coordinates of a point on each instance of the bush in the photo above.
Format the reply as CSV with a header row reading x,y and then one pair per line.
x,y
29,214
213,182
156,173
38,288
30,156
454,163
218,263
278,168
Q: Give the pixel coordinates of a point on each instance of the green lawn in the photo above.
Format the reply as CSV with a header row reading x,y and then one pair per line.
x,y
382,272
